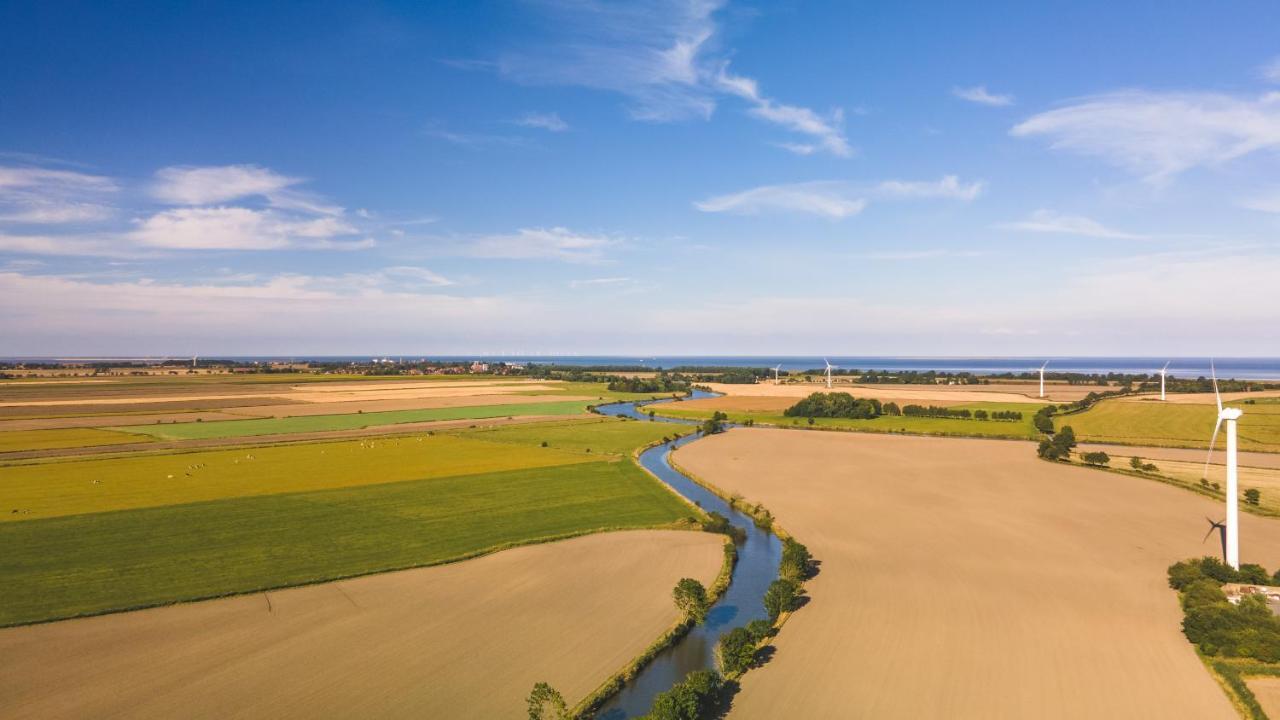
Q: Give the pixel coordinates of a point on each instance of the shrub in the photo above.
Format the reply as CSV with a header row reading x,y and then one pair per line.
x,y
1096,458
1253,496
546,703
796,561
697,698
736,650
782,596
691,599
1135,462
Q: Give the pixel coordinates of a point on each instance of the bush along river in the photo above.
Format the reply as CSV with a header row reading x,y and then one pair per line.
x,y
757,567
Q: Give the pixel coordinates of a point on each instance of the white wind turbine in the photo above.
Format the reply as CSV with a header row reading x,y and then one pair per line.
x,y
775,373
829,367
1230,415
1042,367
1163,371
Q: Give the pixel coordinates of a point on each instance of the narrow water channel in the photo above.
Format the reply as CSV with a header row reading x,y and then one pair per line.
x,y
757,566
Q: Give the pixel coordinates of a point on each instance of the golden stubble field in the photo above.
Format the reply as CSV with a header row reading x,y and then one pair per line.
x,y
968,579
466,640
927,394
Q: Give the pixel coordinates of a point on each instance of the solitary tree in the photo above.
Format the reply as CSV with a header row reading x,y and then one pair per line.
x,y
691,599
546,703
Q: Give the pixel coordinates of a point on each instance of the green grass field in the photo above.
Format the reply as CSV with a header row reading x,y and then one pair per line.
x,y
349,421
15,440
76,565
70,487
308,512
1174,424
1022,430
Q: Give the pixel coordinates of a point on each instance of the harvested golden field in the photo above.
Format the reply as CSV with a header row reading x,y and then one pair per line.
x,y
458,641
1202,398
902,394
103,421
968,579
1187,455
1267,691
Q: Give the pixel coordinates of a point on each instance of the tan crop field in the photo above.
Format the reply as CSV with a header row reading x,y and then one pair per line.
x,y
922,394
458,641
968,579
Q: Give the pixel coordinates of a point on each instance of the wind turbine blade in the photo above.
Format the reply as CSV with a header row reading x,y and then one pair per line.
x,y
1045,365
1212,441
1166,366
1216,395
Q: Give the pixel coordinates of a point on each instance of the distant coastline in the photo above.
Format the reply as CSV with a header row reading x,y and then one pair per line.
x,y
1187,367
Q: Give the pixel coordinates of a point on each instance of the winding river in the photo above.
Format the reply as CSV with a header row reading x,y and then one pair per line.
x,y
757,566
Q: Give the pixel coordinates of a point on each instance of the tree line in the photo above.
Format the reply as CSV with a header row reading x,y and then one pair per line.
x,y
1217,626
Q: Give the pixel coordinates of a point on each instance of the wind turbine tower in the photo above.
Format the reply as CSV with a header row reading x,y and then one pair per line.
x,y
829,366
1163,371
1229,416
775,373
1042,367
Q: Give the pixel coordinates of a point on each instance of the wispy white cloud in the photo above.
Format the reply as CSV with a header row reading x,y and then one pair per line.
x,y
979,94
1159,135
948,187
556,243
1048,221
477,140
835,199
1271,71
828,199
238,228
597,282
546,121
45,196
418,275
664,57
1266,202
827,131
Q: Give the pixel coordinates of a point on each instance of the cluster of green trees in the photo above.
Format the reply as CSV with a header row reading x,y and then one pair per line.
x,y
1137,463
737,648
717,523
835,405
698,697
1217,626
1096,458
660,384
738,376
1043,419
1059,446
797,563
782,596
713,424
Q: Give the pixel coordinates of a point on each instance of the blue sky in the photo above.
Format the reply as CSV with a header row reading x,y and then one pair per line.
x,y
668,178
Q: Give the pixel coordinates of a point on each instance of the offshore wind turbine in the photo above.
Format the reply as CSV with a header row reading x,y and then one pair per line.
x,y
1230,416
1042,367
1163,371
775,373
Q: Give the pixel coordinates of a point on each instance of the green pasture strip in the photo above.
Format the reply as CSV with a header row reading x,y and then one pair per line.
x,y
1173,424
79,486
599,435
1020,429
348,421
16,440
87,564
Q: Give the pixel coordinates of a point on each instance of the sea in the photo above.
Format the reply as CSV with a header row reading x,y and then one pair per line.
x,y
1256,368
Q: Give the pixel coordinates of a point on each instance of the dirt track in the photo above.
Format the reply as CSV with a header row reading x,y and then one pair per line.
x,y
458,641
967,579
